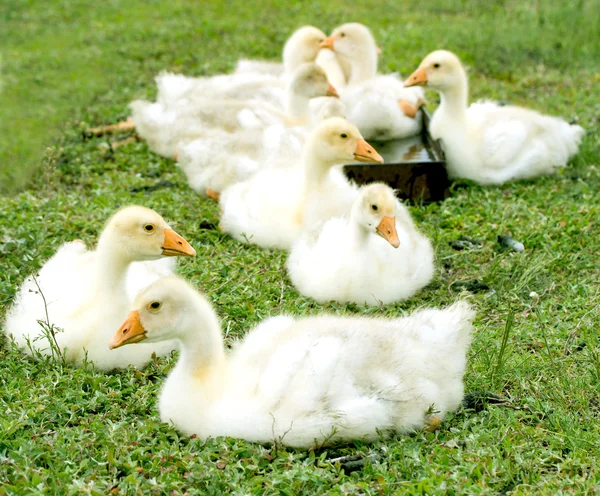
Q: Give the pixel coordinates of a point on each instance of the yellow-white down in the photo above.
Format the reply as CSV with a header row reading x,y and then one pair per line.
x,y
84,294
488,143
352,258
302,382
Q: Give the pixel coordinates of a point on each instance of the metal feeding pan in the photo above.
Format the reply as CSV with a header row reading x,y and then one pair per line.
x,y
415,167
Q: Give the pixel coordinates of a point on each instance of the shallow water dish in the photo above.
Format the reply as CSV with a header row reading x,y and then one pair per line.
x,y
415,167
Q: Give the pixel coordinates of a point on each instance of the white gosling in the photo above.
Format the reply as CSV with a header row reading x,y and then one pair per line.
x,y
488,143
379,105
302,382
374,256
273,207
85,294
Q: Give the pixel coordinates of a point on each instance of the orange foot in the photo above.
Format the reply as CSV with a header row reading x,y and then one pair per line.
x,y
212,194
116,144
433,423
120,127
410,109
175,155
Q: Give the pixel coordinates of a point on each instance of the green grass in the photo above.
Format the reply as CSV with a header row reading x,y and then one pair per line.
x,y
67,65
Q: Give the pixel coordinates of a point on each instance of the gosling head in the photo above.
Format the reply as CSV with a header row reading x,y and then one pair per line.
x,y
375,210
302,47
352,40
337,141
440,70
310,81
167,309
139,233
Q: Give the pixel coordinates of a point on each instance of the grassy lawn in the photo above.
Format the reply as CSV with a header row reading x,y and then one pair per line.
x,y
67,65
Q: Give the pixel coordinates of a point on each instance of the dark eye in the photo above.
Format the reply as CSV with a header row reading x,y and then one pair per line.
x,y
375,208
436,65
343,135
149,228
342,34
154,306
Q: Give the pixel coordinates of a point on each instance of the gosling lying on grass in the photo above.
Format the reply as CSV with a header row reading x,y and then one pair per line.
x,y
373,255
302,382
85,294
488,143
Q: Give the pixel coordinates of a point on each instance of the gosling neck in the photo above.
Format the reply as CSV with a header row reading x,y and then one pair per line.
x,y
359,232
362,67
316,169
454,100
202,355
346,67
111,268
297,108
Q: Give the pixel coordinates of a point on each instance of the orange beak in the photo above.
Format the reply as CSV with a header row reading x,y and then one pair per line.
x,y
331,91
417,78
328,43
366,153
131,331
174,245
387,230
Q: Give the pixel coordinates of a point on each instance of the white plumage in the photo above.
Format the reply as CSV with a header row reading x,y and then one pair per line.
x,y
373,255
164,127
176,89
271,208
303,382
219,159
266,67
488,143
85,294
